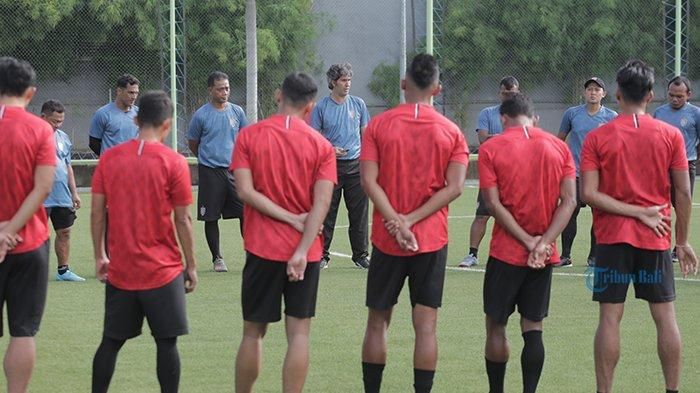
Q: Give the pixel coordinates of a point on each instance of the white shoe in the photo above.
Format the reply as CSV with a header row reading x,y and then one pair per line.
x,y
469,261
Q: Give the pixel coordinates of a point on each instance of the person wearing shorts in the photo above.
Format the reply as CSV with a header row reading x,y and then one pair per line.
x,y
140,284
489,126
631,220
283,218
27,166
532,201
211,135
64,199
409,224
576,123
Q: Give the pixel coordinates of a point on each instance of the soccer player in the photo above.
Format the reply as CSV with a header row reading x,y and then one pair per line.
x,y
631,220
64,199
144,272
489,125
342,118
27,164
577,122
211,135
283,218
532,201
413,203
113,123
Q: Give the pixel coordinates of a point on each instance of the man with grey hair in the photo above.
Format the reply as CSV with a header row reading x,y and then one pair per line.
x,y
341,118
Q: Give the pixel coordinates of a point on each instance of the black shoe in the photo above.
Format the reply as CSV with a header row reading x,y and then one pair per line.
x,y
325,260
362,262
565,262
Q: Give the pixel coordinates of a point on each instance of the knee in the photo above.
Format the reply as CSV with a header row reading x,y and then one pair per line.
x,y
63,234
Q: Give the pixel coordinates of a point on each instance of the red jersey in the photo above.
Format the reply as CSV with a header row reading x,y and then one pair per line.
x,y
633,155
26,141
142,182
286,158
413,145
527,166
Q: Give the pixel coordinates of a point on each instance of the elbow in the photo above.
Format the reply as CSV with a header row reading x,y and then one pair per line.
x,y
244,195
569,202
455,190
365,184
586,197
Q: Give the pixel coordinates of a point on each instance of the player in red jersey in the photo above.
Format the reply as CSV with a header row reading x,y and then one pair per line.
x,y
144,182
413,163
631,220
285,173
528,180
27,165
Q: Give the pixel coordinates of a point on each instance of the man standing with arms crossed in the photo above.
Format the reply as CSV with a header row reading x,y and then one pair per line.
x,y
342,118
531,200
143,272
211,135
64,199
631,219
114,123
27,165
489,126
413,203
283,218
577,122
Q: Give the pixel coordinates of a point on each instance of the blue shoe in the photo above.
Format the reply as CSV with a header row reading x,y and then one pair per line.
x,y
69,276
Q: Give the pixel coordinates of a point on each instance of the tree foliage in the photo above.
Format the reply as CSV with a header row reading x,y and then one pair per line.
x,y
118,36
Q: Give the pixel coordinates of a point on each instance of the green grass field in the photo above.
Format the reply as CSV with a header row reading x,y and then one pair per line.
x,y
72,327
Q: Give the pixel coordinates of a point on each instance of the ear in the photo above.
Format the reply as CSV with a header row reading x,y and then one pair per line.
x,y
164,128
436,90
605,93
650,96
278,96
403,84
29,94
618,95
308,108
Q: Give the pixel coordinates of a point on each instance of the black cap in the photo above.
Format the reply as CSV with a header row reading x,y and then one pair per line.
x,y
595,80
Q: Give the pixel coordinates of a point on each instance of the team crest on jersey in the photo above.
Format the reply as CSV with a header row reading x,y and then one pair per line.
x,y
233,122
351,113
684,122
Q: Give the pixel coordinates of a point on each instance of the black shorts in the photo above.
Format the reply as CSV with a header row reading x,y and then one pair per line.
x,y
579,201
61,217
264,284
217,196
506,286
617,265
387,274
23,280
481,209
163,307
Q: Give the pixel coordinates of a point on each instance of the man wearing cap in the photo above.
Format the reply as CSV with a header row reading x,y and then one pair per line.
x,y
577,122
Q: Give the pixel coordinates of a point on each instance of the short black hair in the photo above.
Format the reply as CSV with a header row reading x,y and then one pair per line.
x,y
509,82
127,80
680,80
424,70
337,71
298,89
16,76
52,106
154,108
635,80
518,104
216,76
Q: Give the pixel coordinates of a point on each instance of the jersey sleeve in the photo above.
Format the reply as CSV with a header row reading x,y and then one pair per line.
x,y
460,151
487,173
240,157
317,117
368,149
327,163
46,148
194,130
98,186
697,123
180,183
568,164
483,121
242,119
69,145
97,125
364,114
589,155
679,160
565,126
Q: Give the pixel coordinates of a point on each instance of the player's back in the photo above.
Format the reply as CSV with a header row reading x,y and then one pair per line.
x,y
25,142
142,182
